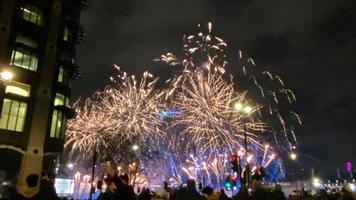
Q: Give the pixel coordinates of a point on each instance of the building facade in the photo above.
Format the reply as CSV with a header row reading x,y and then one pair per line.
x,y
37,45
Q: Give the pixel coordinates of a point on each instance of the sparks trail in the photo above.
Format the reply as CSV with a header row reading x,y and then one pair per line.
x,y
199,112
275,100
125,112
203,95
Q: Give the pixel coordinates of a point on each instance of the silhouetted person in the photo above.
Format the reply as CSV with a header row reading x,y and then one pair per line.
x,y
242,194
118,185
346,195
178,194
190,193
160,194
145,194
31,192
223,195
277,193
47,189
109,191
210,195
258,193
322,195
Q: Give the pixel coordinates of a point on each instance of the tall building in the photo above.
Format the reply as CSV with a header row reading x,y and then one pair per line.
x,y
37,46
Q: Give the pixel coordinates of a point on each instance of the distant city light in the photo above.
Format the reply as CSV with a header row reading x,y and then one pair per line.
x,y
316,182
70,165
352,186
348,166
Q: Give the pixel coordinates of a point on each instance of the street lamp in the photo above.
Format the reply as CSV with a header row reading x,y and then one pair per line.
x,y
6,76
293,156
246,110
316,182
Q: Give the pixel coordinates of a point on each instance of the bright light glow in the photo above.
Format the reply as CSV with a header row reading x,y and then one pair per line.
x,y
352,186
316,182
293,156
249,158
135,147
238,106
247,109
18,88
129,109
6,76
70,165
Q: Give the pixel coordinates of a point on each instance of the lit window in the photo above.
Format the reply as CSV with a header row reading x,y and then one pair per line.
x,y
63,75
18,89
67,101
66,34
26,41
58,124
13,115
59,100
32,14
25,59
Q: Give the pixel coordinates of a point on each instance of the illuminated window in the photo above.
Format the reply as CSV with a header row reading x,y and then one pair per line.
x,y
24,58
32,14
59,100
18,89
13,115
26,41
63,75
58,124
66,34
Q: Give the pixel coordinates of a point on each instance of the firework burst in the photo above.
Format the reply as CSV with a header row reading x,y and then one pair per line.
x,y
87,130
205,98
274,97
206,120
125,112
202,111
133,107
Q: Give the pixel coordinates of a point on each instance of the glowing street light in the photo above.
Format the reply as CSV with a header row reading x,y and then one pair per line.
x,y
316,182
135,147
6,76
246,110
70,165
293,156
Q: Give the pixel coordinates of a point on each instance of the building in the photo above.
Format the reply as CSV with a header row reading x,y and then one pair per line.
x,y
37,45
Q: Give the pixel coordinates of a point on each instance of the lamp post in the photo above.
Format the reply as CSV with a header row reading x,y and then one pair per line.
x,y
293,156
246,110
92,189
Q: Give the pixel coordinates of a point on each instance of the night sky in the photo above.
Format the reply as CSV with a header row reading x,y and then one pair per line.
x,y
309,43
